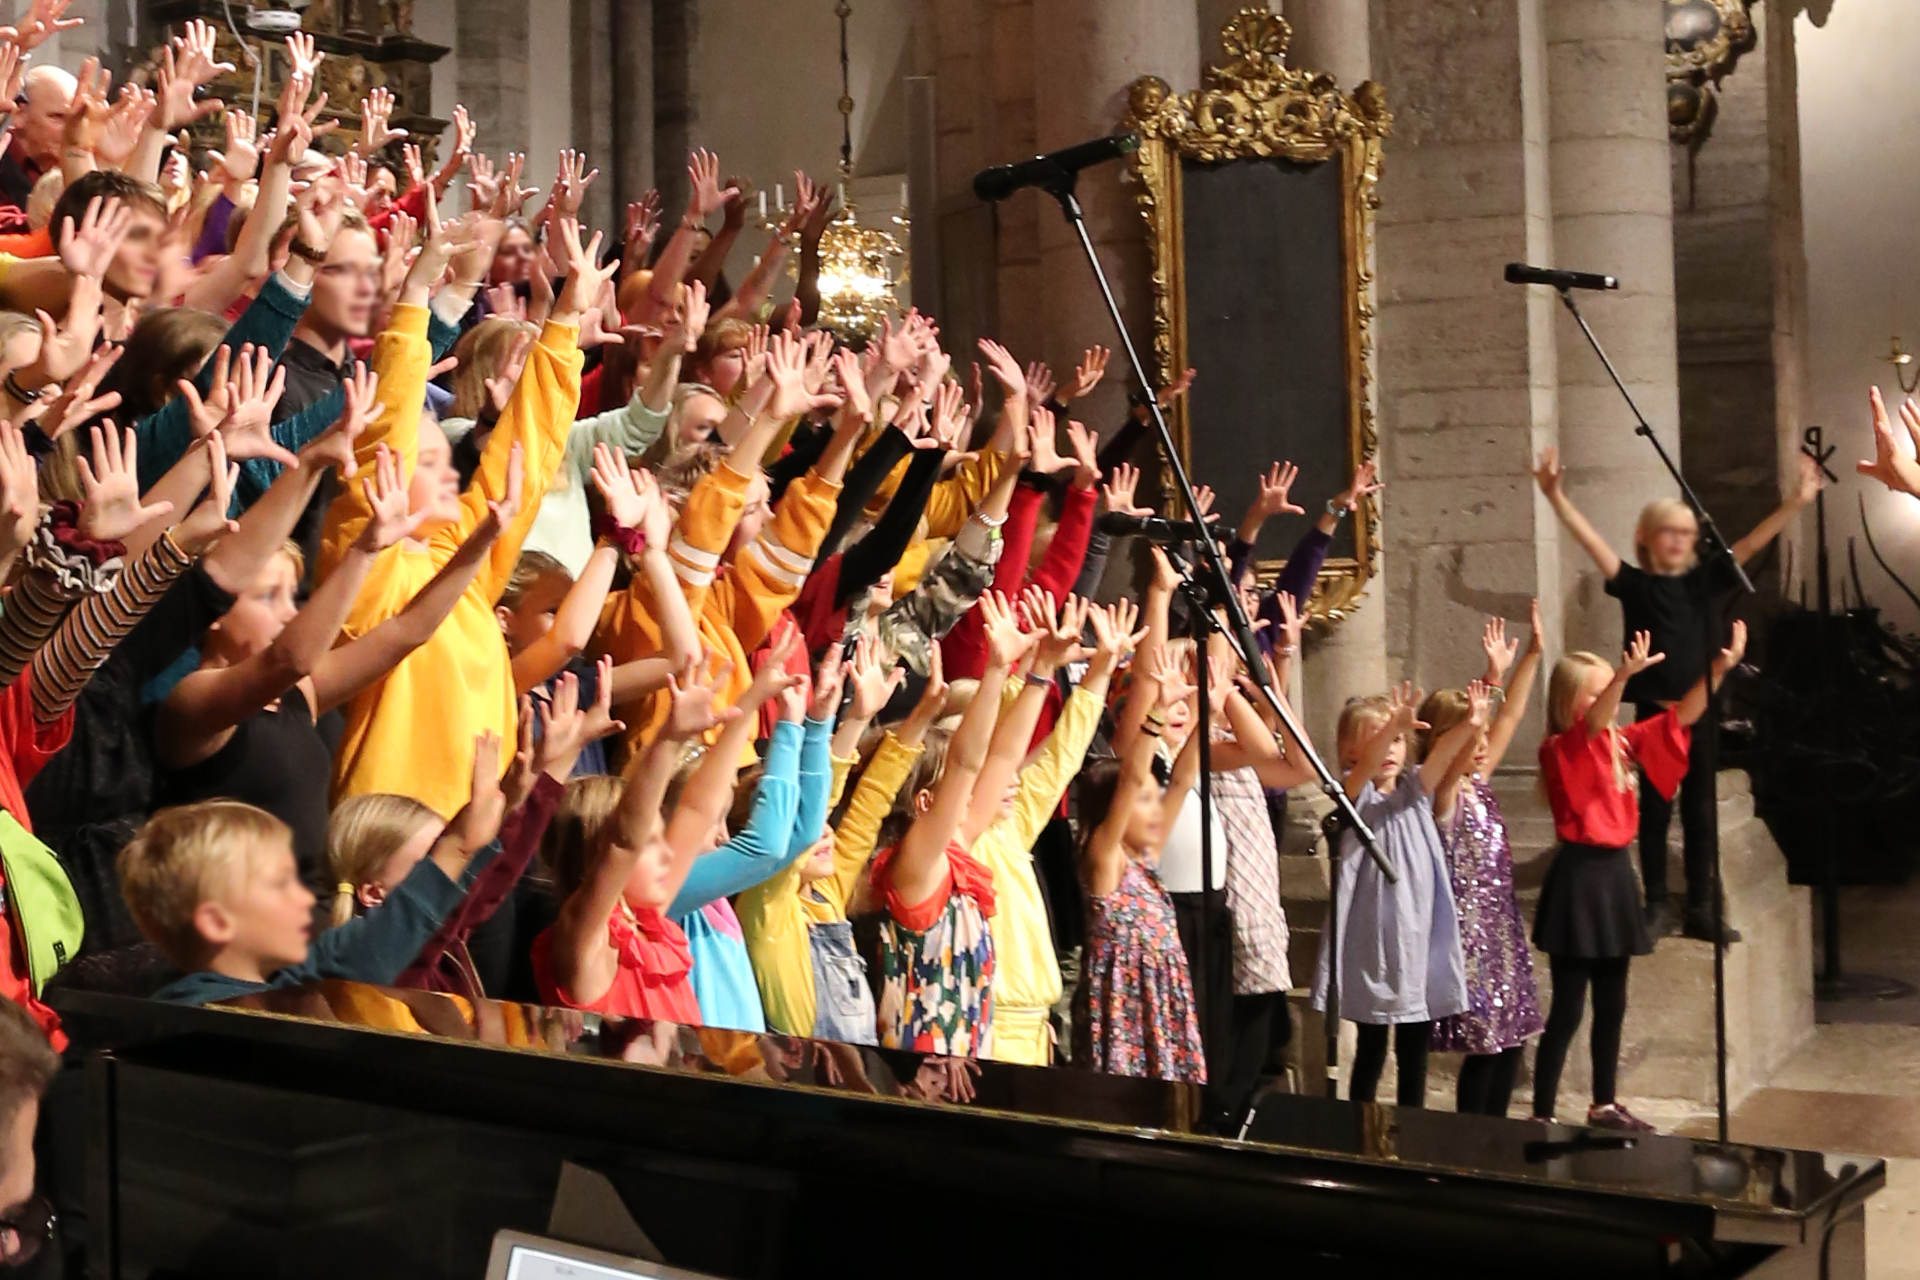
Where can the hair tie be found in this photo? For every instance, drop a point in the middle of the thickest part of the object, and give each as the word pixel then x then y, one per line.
pixel 346 887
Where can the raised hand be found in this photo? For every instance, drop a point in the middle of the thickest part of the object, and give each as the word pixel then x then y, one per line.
pixel 693 712
pixel 1046 451
pixel 77 403
pixel 873 682
pixel 1113 635
pixel 1004 368
pixel 119 133
pixel 501 513
pixel 43 21
pixel 1116 494
pixel 19 492
pixel 443 241
pixel 1549 474
pixel 1639 655
pixel 1893 464
pixel 1729 657
pixel 1293 623
pixel 1086 375
pixel 787 367
pixel 1500 650
pixel 1479 703
pixel 828 680
pixel 570 184
pixel 303 57
pixel 1169 673
pixel 1274 487
pixel 66 347
pixel 187 63
pixel 1536 632
pixel 773 678
pixel 334 446
pixel 376 109
pixel 705 196
pixel 254 392
pixel 1007 644
pixel 241 160
pixel 642 228
pixel 631 495
pixel 1058 628
pixel 1086 454
pixel 89 249
pixel 692 321
pixel 207 523
pixel 1175 389
pixel 386 493
pixel 111 507
pixel 1403 704
pixel 1040 383
pixel 852 385
pixel 585 277
pixel 1165 576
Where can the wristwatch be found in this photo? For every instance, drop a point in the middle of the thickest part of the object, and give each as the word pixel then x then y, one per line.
pixel 1337 511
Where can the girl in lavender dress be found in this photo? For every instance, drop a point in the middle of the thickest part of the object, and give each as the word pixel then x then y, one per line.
pixel 1503 1009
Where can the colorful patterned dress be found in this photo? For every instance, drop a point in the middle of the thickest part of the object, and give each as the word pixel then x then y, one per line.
pixel 1135 1015
pixel 1503 1009
pixel 936 961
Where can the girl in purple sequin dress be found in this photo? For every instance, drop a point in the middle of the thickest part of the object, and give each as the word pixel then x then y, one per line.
pixel 1503 1008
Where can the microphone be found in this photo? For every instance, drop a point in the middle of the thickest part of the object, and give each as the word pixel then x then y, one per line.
pixel 1003 180
pixel 1153 528
pixel 1521 273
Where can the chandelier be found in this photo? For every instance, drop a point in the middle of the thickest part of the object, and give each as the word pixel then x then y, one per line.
pixel 857 263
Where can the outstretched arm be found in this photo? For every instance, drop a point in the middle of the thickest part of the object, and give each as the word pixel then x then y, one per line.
pixel 1551 477
pixel 1690 708
pixel 1804 492
pixel 1519 690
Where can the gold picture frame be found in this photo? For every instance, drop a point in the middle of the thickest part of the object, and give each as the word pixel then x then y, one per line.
pixel 1252 106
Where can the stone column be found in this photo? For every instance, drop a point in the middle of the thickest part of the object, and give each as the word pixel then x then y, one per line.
pixel 492 36
pixel 1612 213
pixel 676 102
pixel 1329 36
pixel 1467 366
pixel 1093 50
pixel 630 32
pixel 963 112
pixel 595 107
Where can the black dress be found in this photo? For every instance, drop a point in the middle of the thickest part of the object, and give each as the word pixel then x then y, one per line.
pixel 277 761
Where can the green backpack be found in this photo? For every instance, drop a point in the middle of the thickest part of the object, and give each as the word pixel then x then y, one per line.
pixel 45 910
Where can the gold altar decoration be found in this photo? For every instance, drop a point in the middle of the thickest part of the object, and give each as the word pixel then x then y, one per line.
pixel 857 280
pixel 1254 106
pixel 1705 38
pixel 369 44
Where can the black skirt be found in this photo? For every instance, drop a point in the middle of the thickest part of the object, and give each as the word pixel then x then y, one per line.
pixel 1590 906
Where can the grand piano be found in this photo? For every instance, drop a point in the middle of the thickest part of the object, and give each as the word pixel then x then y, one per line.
pixel 342 1130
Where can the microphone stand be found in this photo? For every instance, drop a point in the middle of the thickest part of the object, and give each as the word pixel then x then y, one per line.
pixel 1239 632
pixel 1707 732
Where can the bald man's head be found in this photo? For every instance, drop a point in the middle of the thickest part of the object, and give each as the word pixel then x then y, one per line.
pixel 39 123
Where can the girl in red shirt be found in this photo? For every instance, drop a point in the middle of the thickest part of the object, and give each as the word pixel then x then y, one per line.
pixel 1589 921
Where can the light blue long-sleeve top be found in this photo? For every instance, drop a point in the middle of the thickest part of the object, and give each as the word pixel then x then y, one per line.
pixel 1400 957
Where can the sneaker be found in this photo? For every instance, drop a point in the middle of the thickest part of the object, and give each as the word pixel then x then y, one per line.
pixel 1699 926
pixel 1615 1116
pixel 1661 921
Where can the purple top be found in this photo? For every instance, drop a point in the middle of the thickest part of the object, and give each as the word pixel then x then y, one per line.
pixel 213 232
pixel 1296 578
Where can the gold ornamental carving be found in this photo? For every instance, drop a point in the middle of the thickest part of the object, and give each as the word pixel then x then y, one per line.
pixel 1705 38
pixel 1252 106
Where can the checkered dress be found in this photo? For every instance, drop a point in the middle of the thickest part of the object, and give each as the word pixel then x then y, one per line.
pixel 1253 884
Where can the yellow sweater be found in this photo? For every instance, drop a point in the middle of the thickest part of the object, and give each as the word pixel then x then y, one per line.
pixel 1026 977
pixel 773 918
pixel 413 732
pixel 734 605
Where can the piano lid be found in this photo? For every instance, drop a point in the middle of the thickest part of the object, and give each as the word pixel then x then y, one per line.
pixel 494 1052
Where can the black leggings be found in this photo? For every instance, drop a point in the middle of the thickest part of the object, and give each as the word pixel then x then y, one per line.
pixel 1571 978
pixel 1698 795
pixel 1486 1082
pixel 1409 1053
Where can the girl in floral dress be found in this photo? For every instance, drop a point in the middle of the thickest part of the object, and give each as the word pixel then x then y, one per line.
pixel 1134 1012
pixel 1503 1008
pixel 936 949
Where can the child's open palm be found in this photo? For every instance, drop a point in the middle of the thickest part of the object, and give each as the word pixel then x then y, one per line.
pixel 1640 655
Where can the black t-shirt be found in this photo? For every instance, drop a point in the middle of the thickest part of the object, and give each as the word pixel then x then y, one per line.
pixel 1669 607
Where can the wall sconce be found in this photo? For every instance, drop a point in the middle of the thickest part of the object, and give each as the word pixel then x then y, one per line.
pixel 1901 359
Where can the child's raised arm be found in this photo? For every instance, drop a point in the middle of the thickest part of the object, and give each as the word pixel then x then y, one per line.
pixel 1105 852
pixel 1638 657
pixel 1690 708
pixel 922 859
pixel 1519 690
pixel 1449 747
pixel 1551 475
pixel 1373 752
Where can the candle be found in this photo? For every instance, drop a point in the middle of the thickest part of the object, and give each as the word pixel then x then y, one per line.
pixel 779 198
pixel 763 205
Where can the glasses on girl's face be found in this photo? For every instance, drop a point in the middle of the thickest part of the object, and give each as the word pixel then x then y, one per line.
pixel 24 1231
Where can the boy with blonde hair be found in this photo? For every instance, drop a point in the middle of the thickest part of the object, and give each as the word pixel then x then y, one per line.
pixel 215 887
